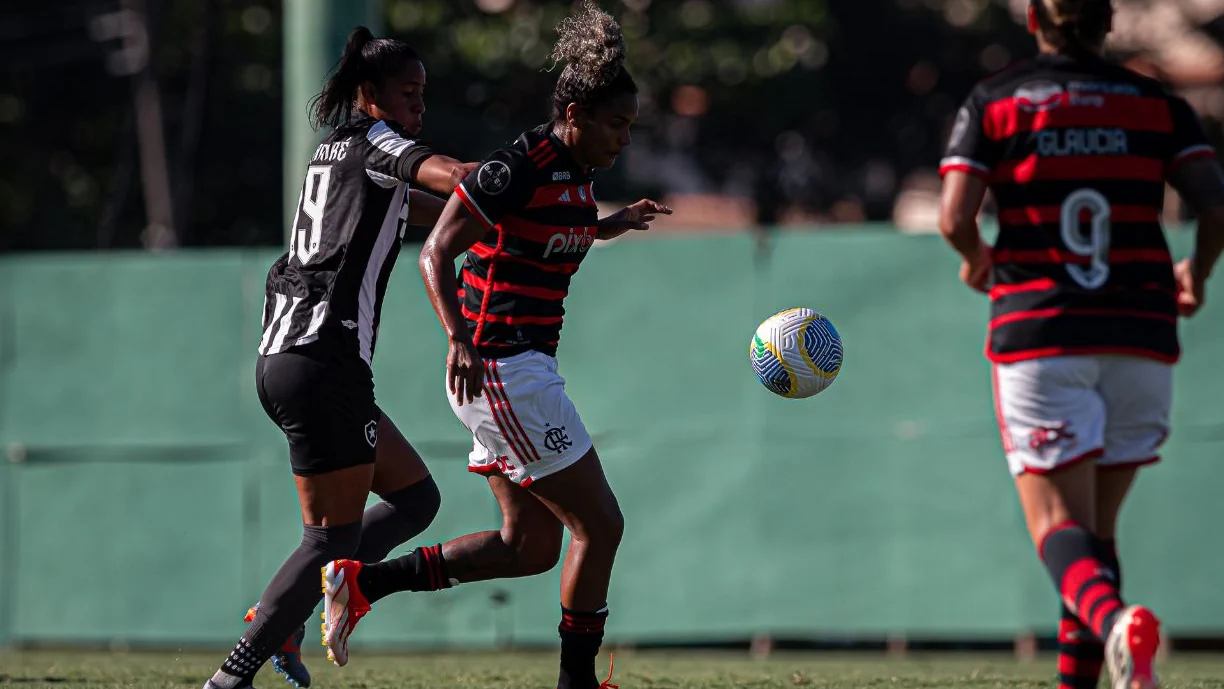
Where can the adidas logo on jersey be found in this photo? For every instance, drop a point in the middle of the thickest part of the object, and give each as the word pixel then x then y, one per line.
pixel 570 243
pixel 567 196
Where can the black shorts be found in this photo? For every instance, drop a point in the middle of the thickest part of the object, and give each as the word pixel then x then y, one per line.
pixel 325 408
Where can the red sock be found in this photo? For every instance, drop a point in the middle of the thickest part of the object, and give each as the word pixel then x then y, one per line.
pixel 1080 653
pixel 1087 583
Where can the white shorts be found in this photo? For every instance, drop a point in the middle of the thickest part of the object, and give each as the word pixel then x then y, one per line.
pixel 523 425
pixel 1056 411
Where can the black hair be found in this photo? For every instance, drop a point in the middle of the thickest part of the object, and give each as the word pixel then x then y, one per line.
pixel 1074 27
pixel 365 58
pixel 593 48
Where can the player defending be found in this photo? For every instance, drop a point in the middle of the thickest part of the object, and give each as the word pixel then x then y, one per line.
pixel 525 219
pixel 322 304
pixel 1085 300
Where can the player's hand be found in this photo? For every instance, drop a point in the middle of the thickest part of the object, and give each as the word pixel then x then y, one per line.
pixel 465 169
pixel 975 271
pixel 635 216
pixel 1191 291
pixel 464 371
pixel 459 172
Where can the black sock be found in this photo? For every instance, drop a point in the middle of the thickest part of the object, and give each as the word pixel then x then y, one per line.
pixel 1086 582
pixel 287 602
pixel 424 569
pixel 397 518
pixel 242 664
pixel 581 635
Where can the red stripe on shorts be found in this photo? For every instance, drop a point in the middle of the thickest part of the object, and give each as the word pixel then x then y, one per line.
pixel 501 388
pixel 503 423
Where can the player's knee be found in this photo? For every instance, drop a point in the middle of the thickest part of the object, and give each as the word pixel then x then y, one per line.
pixel 535 548
pixel 540 556
pixel 332 542
pixel 418 504
pixel 603 527
pixel 615 525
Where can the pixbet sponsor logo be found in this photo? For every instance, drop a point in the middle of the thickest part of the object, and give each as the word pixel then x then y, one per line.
pixel 576 241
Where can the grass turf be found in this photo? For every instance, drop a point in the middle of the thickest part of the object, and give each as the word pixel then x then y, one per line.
pixel 654 670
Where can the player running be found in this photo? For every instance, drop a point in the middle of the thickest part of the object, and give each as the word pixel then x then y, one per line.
pixel 1085 300
pixel 525 219
pixel 320 325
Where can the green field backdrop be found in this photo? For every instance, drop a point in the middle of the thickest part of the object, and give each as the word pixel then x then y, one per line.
pixel 145 498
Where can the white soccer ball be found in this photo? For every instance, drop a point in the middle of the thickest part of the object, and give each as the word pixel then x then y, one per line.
pixel 796 353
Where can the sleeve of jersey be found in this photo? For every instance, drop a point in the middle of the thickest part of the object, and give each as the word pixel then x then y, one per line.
pixel 1189 141
pixel 969 149
pixel 501 185
pixel 391 156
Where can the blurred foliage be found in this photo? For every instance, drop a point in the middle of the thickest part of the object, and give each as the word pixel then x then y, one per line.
pixel 805 103
pixel 72 173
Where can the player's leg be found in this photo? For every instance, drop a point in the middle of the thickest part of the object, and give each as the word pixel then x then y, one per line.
pixel 1138 393
pixel 1081 655
pixel 1133 641
pixel 582 500
pixel 331 511
pixel 528 543
pixel 409 496
pixel 410 501
pixel 1053 424
pixel 328 422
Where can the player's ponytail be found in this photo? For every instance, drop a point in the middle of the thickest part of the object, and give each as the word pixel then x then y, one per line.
pixel 1074 27
pixel 365 59
pixel 592 47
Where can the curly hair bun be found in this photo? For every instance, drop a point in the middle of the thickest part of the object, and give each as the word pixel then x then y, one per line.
pixel 591 44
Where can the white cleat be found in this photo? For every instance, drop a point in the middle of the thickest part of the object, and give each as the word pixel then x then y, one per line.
pixel 1131 649
pixel 343 607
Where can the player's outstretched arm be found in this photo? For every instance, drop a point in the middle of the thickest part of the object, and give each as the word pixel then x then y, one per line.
pixel 962 198
pixel 456 231
pixel 636 216
pixel 424 208
pixel 442 173
pixel 1201 183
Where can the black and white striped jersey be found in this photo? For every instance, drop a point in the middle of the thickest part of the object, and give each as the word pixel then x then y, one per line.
pixel 350 219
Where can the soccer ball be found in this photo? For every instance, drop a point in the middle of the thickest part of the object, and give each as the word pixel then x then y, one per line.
pixel 796 353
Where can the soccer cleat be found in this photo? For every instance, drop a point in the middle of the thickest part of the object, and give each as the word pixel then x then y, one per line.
pixel 343 607
pixel 1131 649
pixel 607 683
pixel 287 661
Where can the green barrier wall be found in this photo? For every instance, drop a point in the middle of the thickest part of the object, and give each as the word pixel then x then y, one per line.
pixel 147 499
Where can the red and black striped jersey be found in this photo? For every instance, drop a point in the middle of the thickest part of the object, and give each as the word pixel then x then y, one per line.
pixel 537 204
pixel 1076 153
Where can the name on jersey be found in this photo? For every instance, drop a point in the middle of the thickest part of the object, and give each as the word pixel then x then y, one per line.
pixel 1082 142
pixel 331 152
pixel 1120 88
pixel 571 242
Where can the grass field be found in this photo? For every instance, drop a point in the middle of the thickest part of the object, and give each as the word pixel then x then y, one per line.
pixel 62 670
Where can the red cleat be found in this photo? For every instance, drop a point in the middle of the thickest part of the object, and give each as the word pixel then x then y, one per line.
pixel 1131 649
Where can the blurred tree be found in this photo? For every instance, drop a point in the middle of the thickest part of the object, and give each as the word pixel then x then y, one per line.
pixel 824 106
pixel 68 129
